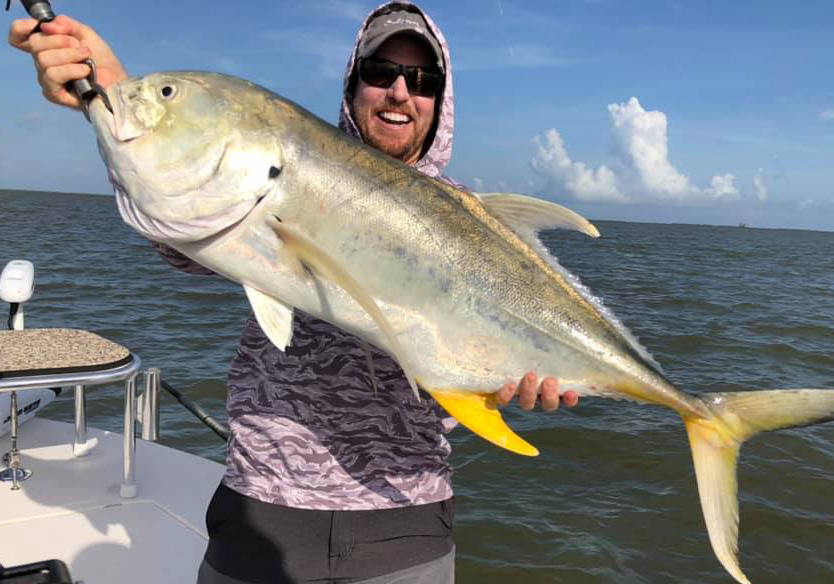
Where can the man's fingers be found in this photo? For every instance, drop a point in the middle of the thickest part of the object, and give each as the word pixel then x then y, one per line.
pixel 63 74
pixel 54 80
pixel 59 57
pixel 549 394
pixel 64 25
pixel 20 31
pixel 505 394
pixel 570 398
pixel 528 391
pixel 41 42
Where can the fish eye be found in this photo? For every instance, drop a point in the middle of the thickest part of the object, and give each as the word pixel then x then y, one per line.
pixel 168 91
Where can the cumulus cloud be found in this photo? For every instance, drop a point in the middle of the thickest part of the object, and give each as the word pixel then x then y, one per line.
pixel 827 115
pixel 723 187
pixel 759 185
pixel 647 175
pixel 553 162
pixel 641 139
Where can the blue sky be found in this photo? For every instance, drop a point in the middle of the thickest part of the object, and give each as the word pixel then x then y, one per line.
pixel 698 112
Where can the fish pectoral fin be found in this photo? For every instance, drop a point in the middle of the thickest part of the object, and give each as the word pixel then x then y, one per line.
pixel 528 215
pixel 274 316
pixel 478 412
pixel 317 261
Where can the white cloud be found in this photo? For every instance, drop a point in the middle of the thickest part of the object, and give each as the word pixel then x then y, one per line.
pixel 827 115
pixel 759 185
pixel 647 175
pixel 642 142
pixel 478 185
pixel 553 162
pixel 722 187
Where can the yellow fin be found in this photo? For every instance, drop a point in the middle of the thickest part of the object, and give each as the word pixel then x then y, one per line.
pixel 715 454
pixel 715 443
pixel 477 411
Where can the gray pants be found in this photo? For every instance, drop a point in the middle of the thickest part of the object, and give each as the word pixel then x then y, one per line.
pixel 439 571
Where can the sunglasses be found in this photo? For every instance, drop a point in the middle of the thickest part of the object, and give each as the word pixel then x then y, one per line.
pixel 422 81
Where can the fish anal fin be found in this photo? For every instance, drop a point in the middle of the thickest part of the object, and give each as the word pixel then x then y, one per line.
pixel 478 412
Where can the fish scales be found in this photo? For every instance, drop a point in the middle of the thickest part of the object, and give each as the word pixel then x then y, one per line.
pixel 305 218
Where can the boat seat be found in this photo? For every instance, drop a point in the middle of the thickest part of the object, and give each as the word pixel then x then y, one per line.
pixel 60 357
pixel 57 351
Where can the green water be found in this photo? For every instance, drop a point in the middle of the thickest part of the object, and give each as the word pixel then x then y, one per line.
pixel 612 498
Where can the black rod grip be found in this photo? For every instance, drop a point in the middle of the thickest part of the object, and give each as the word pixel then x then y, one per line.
pixel 40 10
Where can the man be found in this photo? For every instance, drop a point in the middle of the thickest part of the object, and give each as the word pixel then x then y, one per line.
pixel 326 479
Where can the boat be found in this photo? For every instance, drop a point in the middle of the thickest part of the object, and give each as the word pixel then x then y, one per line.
pixel 108 506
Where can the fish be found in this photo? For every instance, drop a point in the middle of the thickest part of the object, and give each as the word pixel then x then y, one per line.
pixel 456 286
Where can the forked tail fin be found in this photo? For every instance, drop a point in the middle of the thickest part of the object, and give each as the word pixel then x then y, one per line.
pixel 715 443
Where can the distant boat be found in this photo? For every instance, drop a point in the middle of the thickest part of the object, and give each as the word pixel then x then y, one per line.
pixel 743 225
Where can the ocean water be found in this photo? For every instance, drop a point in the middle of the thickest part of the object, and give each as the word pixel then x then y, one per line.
pixel 612 497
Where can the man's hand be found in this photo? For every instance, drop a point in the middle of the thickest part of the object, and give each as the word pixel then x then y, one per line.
pixel 529 390
pixel 59 52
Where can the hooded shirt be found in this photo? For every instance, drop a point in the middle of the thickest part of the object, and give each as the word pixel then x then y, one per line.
pixel 308 429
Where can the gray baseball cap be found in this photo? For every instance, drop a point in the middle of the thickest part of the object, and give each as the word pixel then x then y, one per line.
pixel 386 25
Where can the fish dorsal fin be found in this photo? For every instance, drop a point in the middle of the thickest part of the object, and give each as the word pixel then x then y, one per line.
pixel 319 262
pixel 274 316
pixel 528 215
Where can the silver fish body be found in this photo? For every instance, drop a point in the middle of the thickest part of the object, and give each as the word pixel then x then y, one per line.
pixel 261 191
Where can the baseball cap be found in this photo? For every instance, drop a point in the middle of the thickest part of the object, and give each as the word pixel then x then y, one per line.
pixel 387 24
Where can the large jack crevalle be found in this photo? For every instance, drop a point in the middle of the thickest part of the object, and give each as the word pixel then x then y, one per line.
pixel 455 286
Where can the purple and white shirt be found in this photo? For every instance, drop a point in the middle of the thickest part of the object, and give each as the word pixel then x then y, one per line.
pixel 307 428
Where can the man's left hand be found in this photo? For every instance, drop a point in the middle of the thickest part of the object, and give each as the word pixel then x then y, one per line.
pixel 529 390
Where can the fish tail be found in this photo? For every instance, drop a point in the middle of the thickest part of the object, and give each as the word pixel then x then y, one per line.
pixel 715 442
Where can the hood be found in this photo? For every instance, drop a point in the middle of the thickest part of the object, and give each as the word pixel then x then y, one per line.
pixel 438 154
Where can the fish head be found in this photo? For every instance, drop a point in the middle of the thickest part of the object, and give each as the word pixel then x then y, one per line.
pixel 186 152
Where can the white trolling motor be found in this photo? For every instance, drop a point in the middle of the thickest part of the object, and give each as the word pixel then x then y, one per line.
pixel 17 284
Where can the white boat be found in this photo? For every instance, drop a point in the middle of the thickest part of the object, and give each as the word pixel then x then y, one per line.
pixel 113 508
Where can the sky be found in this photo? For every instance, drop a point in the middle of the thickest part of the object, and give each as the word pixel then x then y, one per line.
pixel 709 112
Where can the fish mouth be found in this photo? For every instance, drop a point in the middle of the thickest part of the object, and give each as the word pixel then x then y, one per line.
pixel 114 126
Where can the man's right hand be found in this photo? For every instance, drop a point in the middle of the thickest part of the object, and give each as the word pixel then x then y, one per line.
pixel 59 52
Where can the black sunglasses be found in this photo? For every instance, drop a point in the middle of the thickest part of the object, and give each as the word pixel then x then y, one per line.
pixel 422 81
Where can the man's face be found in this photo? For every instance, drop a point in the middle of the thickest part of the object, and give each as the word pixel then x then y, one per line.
pixel 391 119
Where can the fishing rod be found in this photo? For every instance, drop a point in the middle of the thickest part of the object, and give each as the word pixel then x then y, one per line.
pixel 85 89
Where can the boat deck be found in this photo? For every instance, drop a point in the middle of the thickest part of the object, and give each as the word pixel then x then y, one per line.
pixel 71 510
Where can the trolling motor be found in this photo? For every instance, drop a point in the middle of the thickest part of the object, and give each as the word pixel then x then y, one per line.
pixel 86 89
pixel 17 282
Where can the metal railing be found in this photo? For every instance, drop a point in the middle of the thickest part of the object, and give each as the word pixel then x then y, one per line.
pixel 143 409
